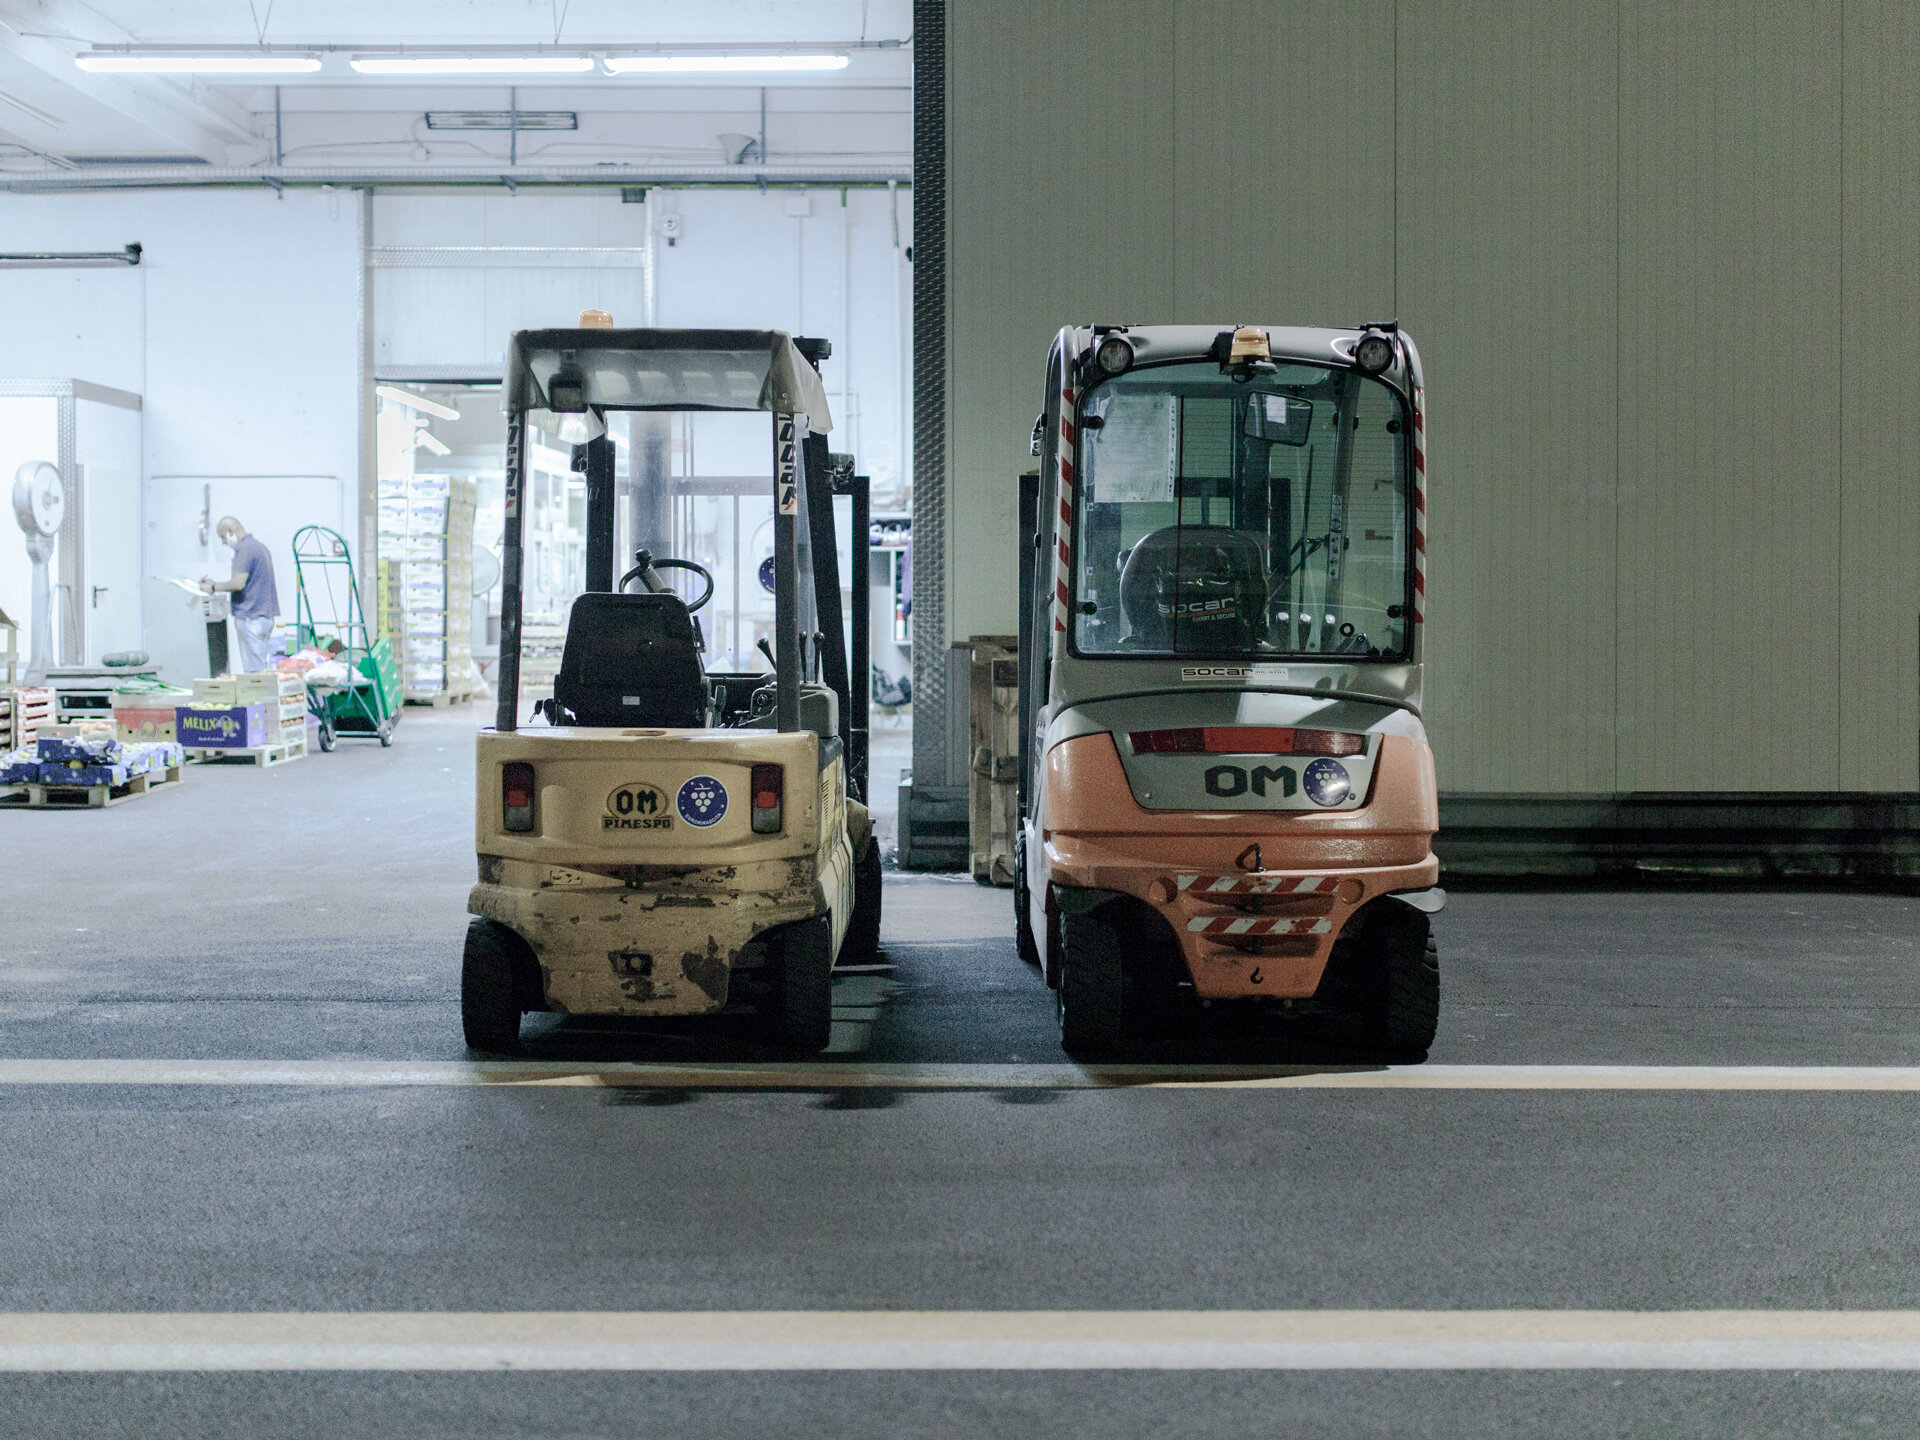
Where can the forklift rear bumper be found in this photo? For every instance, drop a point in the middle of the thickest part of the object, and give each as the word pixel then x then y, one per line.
pixel 1255 899
pixel 644 939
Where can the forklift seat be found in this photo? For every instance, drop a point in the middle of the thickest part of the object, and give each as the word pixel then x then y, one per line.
pixel 1195 588
pixel 630 660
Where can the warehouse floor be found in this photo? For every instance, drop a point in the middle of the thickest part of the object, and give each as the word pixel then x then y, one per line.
pixel 313 913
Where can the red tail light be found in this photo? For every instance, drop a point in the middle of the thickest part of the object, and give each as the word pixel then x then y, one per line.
pixel 1246 740
pixel 516 797
pixel 769 796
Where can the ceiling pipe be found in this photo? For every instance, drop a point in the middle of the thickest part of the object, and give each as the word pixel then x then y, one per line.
pixel 169 177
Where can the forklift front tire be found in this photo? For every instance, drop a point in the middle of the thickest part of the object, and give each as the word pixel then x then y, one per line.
pixel 1092 998
pixel 492 985
pixel 800 1013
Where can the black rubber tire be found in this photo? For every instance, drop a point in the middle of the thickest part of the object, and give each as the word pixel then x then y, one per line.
pixel 1093 991
pixel 861 944
pixel 1022 905
pixel 1399 990
pixel 800 1012
pixel 326 736
pixel 492 986
pixel 386 735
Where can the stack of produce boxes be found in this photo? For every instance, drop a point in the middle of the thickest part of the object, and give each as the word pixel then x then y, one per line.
pixel 23 710
pixel 426 531
pixel 283 693
pixel 217 720
pixel 143 710
pixel 84 754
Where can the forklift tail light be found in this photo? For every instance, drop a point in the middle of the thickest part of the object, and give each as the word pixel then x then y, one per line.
pixel 1246 740
pixel 769 795
pixel 516 797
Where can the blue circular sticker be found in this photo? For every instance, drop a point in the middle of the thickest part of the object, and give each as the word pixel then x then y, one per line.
pixel 766 574
pixel 703 801
pixel 1326 782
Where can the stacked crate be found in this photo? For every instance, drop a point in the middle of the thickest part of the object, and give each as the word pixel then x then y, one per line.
pixel 23 710
pixel 426 534
pixel 284 694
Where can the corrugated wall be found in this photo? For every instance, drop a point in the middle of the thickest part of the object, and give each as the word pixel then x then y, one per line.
pixel 1661 258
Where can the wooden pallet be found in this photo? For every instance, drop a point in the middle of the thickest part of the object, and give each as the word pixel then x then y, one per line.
pixel 441 699
pixel 86 797
pixel 260 755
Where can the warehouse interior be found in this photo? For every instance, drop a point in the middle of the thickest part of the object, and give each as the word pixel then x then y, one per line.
pixel 1536 1057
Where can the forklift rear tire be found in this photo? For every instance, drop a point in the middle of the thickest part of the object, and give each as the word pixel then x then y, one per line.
pixel 1092 997
pixel 861 945
pixel 1023 905
pixel 801 1010
pixel 492 985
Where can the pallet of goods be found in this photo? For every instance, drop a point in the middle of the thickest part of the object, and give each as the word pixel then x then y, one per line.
pixel 426 536
pixel 257 718
pixel 84 766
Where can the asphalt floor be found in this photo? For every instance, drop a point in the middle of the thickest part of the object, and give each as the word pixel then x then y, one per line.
pixel 314 911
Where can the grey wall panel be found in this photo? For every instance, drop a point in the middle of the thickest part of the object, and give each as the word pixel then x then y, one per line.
pixel 1060 210
pixel 1506 266
pixel 1880 380
pixel 1283 153
pixel 1728 580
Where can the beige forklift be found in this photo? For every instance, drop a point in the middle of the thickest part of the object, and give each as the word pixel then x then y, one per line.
pixel 669 837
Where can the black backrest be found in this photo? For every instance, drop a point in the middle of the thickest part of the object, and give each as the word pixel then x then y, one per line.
pixel 1196 588
pixel 630 660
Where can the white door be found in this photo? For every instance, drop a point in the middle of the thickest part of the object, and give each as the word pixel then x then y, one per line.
pixel 184 510
pixel 111 604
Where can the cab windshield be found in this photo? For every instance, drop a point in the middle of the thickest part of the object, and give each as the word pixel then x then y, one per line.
pixel 1242 520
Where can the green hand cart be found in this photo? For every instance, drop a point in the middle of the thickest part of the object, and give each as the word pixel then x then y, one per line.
pixel 366 705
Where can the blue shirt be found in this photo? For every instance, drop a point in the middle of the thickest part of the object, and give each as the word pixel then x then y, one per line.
pixel 257 599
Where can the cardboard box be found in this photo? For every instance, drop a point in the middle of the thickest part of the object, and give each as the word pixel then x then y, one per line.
pixel 258 685
pixel 225 727
pixel 215 692
pixel 145 723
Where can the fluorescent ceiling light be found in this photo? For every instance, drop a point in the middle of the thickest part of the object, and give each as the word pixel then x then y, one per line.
pixel 472 64
pixel 416 402
pixel 120 63
pixel 715 64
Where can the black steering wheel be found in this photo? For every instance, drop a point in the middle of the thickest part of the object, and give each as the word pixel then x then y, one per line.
pixel 671 564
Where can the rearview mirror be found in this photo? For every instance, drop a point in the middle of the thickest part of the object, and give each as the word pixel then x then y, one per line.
pixel 1280 419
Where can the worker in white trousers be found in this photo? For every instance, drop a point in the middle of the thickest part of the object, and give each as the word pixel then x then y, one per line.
pixel 256 603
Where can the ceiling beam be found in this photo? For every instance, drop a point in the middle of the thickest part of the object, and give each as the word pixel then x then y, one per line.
pixel 194 122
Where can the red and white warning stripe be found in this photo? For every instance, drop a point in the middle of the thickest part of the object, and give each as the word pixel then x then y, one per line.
pixel 1257 925
pixel 1253 884
pixel 1062 595
pixel 1419 505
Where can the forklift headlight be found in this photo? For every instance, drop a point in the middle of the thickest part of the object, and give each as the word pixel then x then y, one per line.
pixel 1374 353
pixel 1115 355
pixel 566 393
pixel 516 797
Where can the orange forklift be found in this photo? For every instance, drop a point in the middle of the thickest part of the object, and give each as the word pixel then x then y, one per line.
pixel 1226 791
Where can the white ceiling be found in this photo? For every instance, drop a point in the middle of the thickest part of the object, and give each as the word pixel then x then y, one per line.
pixel 55 117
